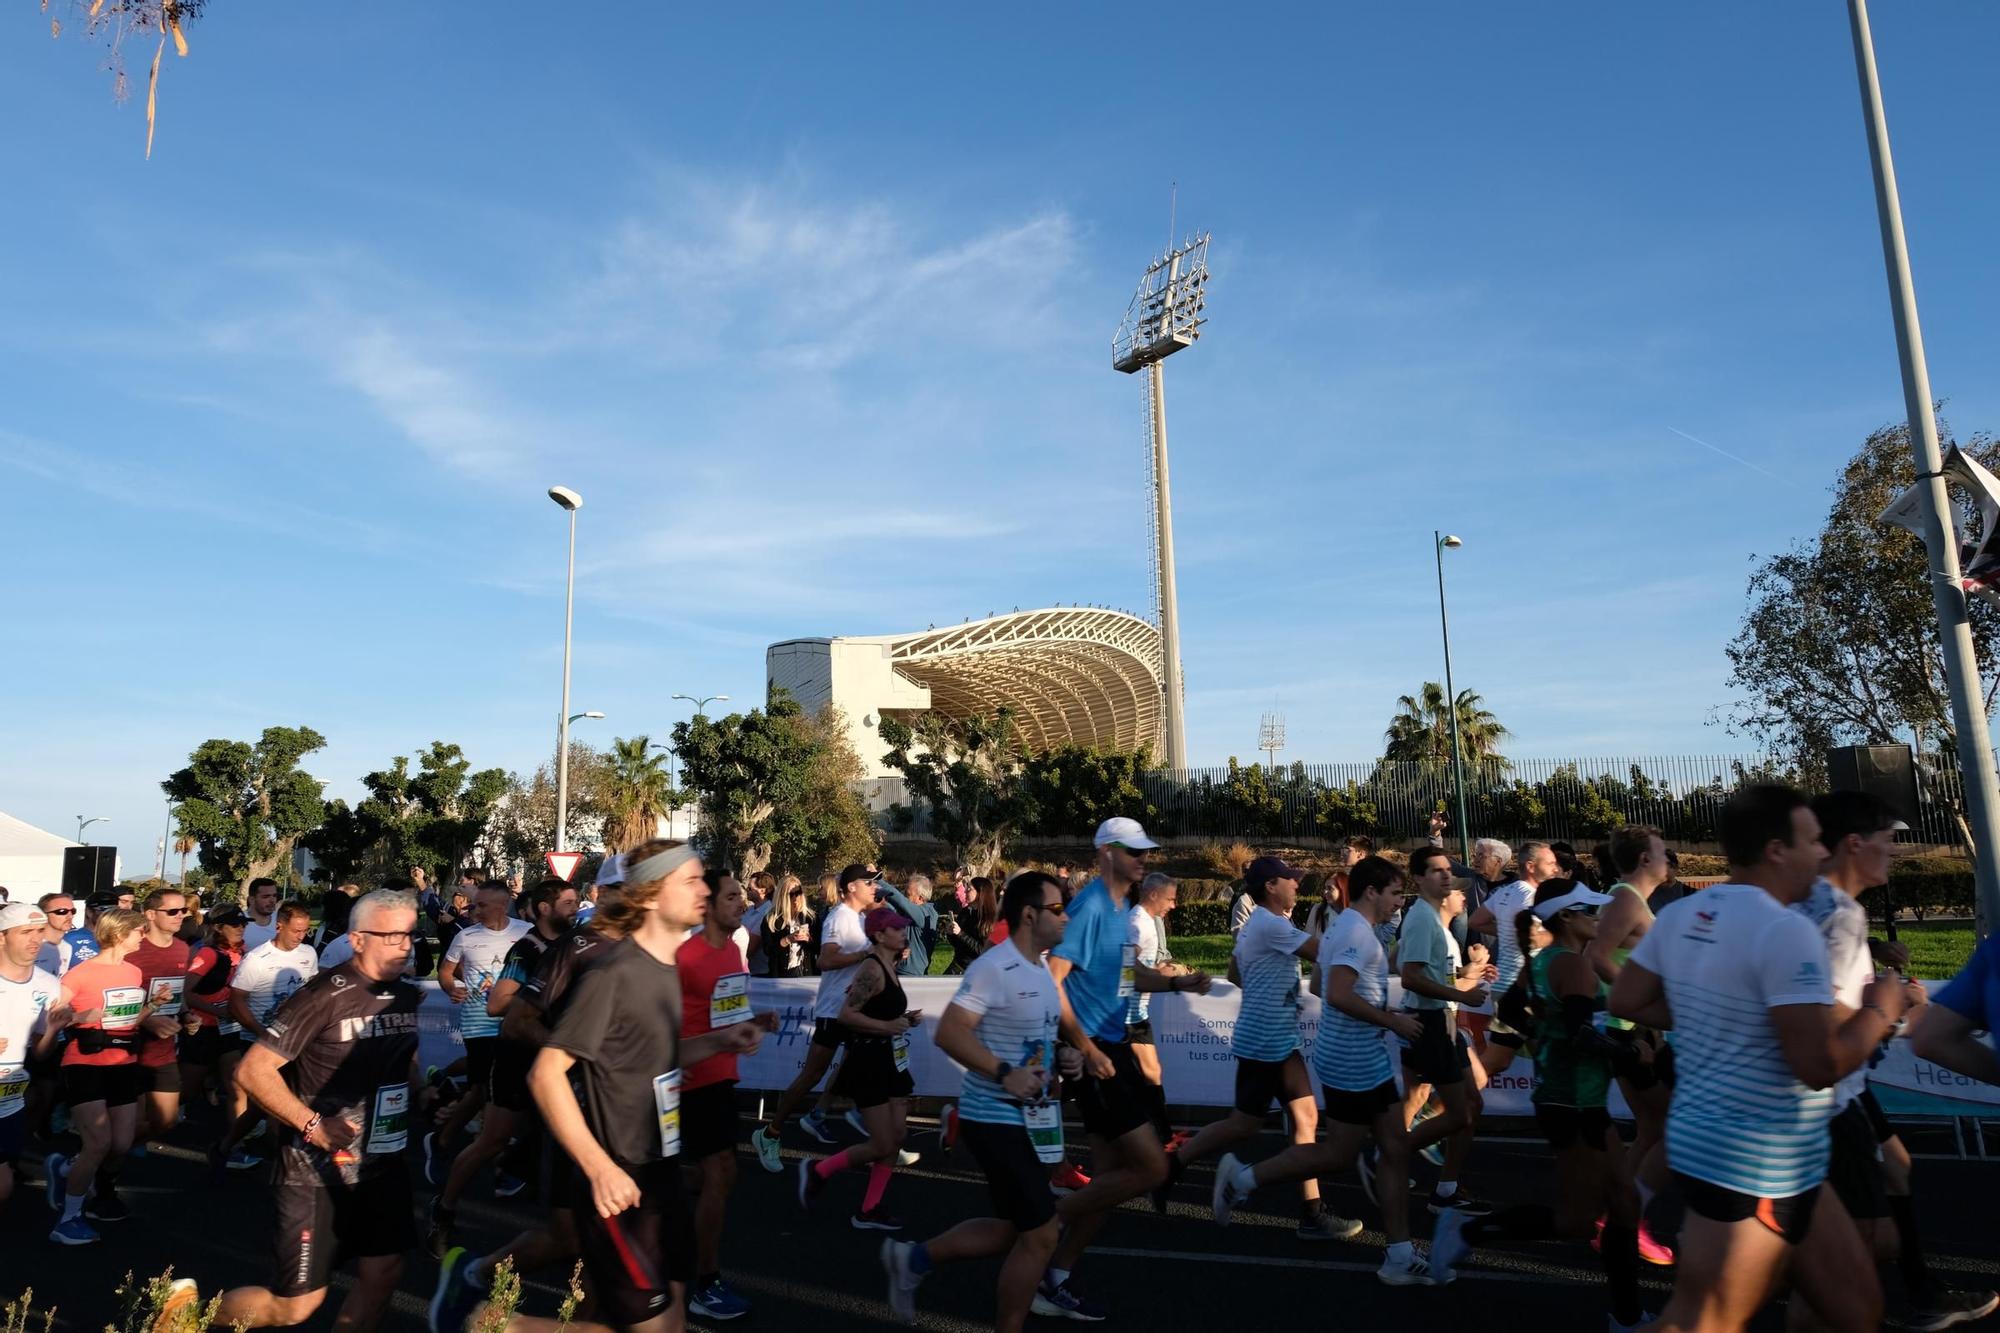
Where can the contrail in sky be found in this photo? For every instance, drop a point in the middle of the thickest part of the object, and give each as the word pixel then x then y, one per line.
pixel 1726 454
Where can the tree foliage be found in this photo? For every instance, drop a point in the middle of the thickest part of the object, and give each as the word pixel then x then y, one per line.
pixel 522 826
pixel 967 776
pixel 433 817
pixel 827 824
pixel 1420 731
pixel 638 792
pixel 246 806
pixel 743 770
pixel 1072 789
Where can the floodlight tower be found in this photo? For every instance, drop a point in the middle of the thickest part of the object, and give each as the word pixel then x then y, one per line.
pixel 1165 316
pixel 1271 738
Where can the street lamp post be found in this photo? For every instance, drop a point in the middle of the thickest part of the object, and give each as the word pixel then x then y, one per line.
pixel 571 502
pixel 700 704
pixel 1440 541
pixel 82 824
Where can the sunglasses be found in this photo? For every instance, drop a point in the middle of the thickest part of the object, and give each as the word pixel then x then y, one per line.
pixel 171 911
pixel 1588 909
pixel 1053 909
pixel 61 911
pixel 1129 851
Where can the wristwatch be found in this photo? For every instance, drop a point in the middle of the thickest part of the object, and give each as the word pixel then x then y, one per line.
pixel 1000 1074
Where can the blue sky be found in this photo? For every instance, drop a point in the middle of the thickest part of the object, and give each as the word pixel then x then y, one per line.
pixel 814 308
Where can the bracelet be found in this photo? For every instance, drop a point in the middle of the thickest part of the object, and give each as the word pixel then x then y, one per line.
pixel 306 1130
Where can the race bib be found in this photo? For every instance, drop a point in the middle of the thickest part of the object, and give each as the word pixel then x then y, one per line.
pixel 1128 975
pixel 667 1104
pixel 166 996
pixel 121 1008
pixel 389 1121
pixel 899 1045
pixel 13 1088
pixel 730 1002
pixel 229 1027
pixel 1045 1129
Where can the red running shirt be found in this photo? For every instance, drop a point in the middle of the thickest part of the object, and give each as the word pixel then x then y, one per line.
pixel 164 973
pixel 714 984
pixel 119 991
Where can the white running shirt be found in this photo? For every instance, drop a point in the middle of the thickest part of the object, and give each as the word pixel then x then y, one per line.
pixel 1843 924
pixel 1018 1009
pixel 843 931
pixel 1350 1054
pixel 1507 903
pixel 22 1006
pixel 481 954
pixel 1267 1020
pixel 268 975
pixel 1740 1118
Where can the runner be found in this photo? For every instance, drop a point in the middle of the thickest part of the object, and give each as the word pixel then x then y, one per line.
pixel 100 1071
pixel 1265 1042
pixel 1573 1064
pixel 80 943
pixel 625 1132
pixel 509 1108
pixel 1095 972
pixel 162 960
pixel 1351 1061
pixel 1156 896
pixel 31 1017
pixel 1007 1009
pixel 1742 983
pixel 877 1021
pixel 209 1053
pixel 843 947
pixel 1434 986
pixel 261 903
pixel 1870 1167
pixel 53 955
pixel 270 974
pixel 472 964
pixel 715 994
pixel 1946 1032
pixel 337 1066
pixel 1495 918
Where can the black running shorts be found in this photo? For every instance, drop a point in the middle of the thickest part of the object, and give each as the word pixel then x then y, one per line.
pixel 160 1078
pixel 635 1257
pixel 1360 1108
pixel 1016 1178
pixel 1563 1126
pixel 1114 1107
pixel 1259 1083
pixel 479 1056
pixel 1435 1057
pixel 507 1081
pixel 321 1227
pixel 1854 1166
pixel 13 1134
pixel 1878 1119
pixel 1140 1033
pixel 829 1033
pixel 1789 1219
pixel 114 1085
pixel 708 1120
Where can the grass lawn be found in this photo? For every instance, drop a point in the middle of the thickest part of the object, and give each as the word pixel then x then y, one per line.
pixel 1937 949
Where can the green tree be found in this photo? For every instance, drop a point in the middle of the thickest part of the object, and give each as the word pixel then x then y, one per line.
pixel 967 776
pixel 1248 799
pixel 1420 732
pixel 827 823
pixel 1839 639
pixel 1343 811
pixel 1073 788
pixel 638 793
pixel 433 816
pixel 246 806
pixel 742 770
pixel 522 826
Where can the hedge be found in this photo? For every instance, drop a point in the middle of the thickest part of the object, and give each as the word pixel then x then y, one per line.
pixel 1926 884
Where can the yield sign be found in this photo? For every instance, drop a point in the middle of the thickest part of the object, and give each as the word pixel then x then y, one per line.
pixel 563 864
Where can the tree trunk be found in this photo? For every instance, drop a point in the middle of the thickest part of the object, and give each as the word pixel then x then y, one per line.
pixel 281 852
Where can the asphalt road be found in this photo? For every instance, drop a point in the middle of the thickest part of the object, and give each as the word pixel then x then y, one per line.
pixel 1172 1272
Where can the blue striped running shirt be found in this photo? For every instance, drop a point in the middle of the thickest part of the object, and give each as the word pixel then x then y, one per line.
pixel 1349 1054
pixel 1740 1117
pixel 1143 934
pixel 1019 1011
pixel 1267 1021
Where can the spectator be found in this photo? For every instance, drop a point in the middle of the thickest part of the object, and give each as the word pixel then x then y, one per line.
pixel 761 889
pixel 788 931
pixel 924 936
pixel 1672 890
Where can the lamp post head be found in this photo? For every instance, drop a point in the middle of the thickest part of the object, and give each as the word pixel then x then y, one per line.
pixel 599 716
pixel 1449 540
pixel 566 497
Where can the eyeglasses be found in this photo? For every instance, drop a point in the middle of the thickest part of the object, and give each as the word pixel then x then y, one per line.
pixel 61 911
pixel 390 936
pixel 171 911
pixel 1053 909
pixel 1129 851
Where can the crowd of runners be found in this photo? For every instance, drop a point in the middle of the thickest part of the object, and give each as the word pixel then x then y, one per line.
pixel 602 1031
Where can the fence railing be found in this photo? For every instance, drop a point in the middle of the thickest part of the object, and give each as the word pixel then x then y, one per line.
pixel 1576 800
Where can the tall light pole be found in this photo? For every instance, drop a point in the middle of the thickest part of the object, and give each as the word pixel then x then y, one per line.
pixel 82 824
pixel 700 704
pixel 166 838
pixel 1968 709
pixel 572 502
pixel 1441 540
pixel 1165 316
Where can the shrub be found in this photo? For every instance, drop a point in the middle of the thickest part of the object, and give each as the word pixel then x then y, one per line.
pixel 1214 858
pixel 1925 884
pixel 1240 856
pixel 1208 917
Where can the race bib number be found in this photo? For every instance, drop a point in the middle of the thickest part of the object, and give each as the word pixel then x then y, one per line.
pixel 13 1088
pixel 1128 975
pixel 389 1121
pixel 229 1027
pixel 166 995
pixel 121 1008
pixel 1045 1130
pixel 730 1003
pixel 667 1105
pixel 899 1045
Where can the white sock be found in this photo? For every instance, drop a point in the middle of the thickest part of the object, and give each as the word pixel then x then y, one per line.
pixel 72 1206
pixel 1245 1180
pixel 1447 1188
pixel 1058 1276
pixel 1401 1252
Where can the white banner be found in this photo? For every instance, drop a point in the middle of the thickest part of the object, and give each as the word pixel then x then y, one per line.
pixel 1192 1032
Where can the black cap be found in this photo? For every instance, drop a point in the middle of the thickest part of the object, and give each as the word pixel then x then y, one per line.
pixel 1267 868
pixel 103 902
pixel 852 873
pixel 226 916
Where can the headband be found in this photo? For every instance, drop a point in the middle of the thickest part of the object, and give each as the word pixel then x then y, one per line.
pixel 659 865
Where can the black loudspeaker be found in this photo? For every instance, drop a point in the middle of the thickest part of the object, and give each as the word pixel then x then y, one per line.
pixel 1887 772
pixel 89 870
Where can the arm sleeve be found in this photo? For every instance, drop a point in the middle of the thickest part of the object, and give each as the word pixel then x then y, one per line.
pixel 980 992
pixel 1288 938
pixel 1966 993
pixel 1077 941
pixel 293 1024
pixel 456 949
pixel 1790 966
pixel 586 1020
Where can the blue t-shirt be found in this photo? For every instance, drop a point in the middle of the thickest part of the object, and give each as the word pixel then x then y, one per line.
pixel 81 946
pixel 1095 946
pixel 1974 994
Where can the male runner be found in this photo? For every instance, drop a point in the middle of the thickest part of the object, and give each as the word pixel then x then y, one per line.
pixel 31 1016
pixel 472 965
pixel 1433 988
pixel 1742 983
pixel 620 1039
pixel 843 946
pixel 1096 970
pixel 1007 1010
pixel 1869 1167
pixel 1495 919
pixel 1946 1033
pixel 509 1107
pixel 337 1066
pixel 53 955
pixel 1155 898
pixel 79 943
pixel 1351 1061
pixel 162 960
pixel 261 905
pixel 269 975
pixel 1265 1041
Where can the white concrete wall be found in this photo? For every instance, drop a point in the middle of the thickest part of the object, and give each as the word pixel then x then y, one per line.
pixel 854 674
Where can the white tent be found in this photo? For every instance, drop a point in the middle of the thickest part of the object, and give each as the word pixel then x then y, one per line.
pixel 31 860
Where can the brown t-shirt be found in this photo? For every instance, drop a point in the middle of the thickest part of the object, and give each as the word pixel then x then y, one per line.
pixel 622 1022
pixel 350 1045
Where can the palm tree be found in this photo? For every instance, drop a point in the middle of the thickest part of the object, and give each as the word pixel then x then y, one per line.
pixel 184 844
pixel 638 793
pixel 1421 730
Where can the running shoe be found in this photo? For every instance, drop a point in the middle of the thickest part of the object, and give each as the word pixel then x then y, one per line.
pixel 904 1157
pixel 1433 1153
pixel 1415 1273
pixel 240 1160
pixel 1656 1251
pixel 770 1153
pixel 506 1186
pixel 437 1239
pixel 815 1125
pixel 1364 1167
pixel 877 1218
pixel 903 1280
pixel 853 1119
pixel 1067 1178
pixel 1945 1308
pixel 1461 1202
pixel 75 1231
pixel 181 1296
pixel 1065 1302
pixel 107 1208
pixel 809 1183
pixel 1448 1246
pixel 1223 1196
pixel 1176 1139
pixel 456 1297
pixel 716 1299
pixel 56 1168
pixel 1328 1226
pixel 948 1126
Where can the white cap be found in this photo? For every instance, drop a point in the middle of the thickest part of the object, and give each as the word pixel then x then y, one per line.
pixel 612 871
pixel 1580 896
pixel 1125 832
pixel 15 915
